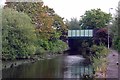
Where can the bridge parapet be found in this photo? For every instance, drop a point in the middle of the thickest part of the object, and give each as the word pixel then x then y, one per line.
pixel 80 33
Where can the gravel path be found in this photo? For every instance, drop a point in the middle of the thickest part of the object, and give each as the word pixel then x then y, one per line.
pixel 112 68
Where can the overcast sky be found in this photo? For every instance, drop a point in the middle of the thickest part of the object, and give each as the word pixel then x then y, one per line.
pixel 75 8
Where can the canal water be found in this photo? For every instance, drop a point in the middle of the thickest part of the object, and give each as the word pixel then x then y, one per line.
pixel 69 66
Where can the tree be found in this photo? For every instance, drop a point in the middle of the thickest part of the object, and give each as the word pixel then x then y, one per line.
pixel 101 37
pixel 18 34
pixel 94 18
pixel 115 29
pixel 119 18
pixel 73 24
pixel 42 16
pixel 37 12
pixel 49 26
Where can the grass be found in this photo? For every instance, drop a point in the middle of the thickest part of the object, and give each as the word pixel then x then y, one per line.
pixel 99 59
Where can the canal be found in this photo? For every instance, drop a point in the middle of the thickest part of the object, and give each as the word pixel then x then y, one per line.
pixel 67 66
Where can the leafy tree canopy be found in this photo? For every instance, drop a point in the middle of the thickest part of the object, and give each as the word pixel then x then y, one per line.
pixel 94 18
pixel 73 24
pixel 115 29
pixel 45 19
pixel 18 34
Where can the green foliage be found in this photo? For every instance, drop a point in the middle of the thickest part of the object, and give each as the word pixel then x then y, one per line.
pixel 117 44
pixel 59 24
pixel 27 7
pixel 56 46
pixel 52 45
pixel 43 17
pixel 100 64
pixel 94 18
pixel 118 18
pixel 99 50
pixel 18 34
pixel 74 24
pixel 100 56
pixel 115 29
pixel 40 50
pixel 49 27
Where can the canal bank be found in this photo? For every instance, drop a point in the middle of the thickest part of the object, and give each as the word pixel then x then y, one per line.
pixel 33 59
pixel 111 68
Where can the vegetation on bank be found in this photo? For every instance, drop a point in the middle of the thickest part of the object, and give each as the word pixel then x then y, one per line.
pixel 18 38
pixel 115 29
pixel 99 59
pixel 28 30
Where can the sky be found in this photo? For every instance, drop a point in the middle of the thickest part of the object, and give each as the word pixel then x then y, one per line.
pixel 75 8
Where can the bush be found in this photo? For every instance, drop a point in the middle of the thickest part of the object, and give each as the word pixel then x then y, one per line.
pixel 99 50
pixel 18 34
pixel 99 59
pixel 117 44
pixel 52 46
pixel 101 37
pixel 57 46
pixel 40 50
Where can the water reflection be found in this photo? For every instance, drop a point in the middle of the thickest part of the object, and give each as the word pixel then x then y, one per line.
pixel 59 67
pixel 76 67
